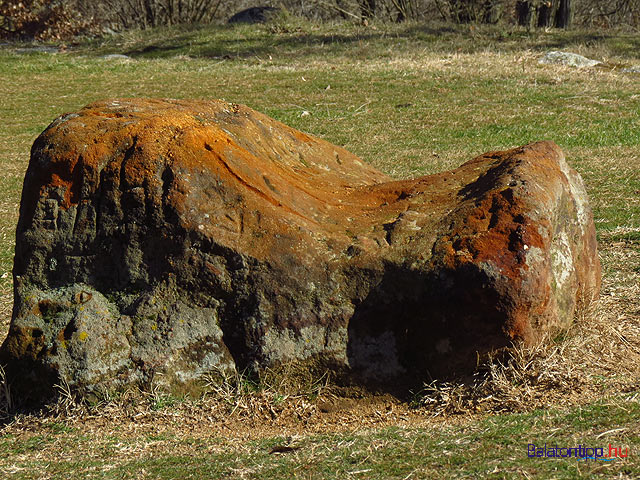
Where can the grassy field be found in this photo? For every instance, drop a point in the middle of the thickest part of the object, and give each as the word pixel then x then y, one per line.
pixel 410 100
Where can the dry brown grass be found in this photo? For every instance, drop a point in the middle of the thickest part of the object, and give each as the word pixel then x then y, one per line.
pixel 6 401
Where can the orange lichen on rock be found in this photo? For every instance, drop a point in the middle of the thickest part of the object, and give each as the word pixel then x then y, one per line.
pixel 217 237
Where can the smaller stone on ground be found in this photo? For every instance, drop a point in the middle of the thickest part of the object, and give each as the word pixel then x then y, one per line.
pixel 568 59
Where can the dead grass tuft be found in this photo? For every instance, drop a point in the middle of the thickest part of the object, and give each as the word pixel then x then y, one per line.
pixel 6 402
pixel 522 380
pixel 287 390
pixel 67 403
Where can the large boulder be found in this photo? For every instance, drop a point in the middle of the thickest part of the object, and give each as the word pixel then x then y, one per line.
pixel 160 240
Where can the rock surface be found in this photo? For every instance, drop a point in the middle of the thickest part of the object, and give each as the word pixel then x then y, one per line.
pixel 161 239
pixel 116 56
pixel 569 59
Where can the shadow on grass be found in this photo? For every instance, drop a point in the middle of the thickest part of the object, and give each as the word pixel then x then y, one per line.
pixel 260 43
pixel 508 38
pixel 240 42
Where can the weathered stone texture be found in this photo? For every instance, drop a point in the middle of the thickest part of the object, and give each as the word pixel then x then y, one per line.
pixel 568 59
pixel 161 239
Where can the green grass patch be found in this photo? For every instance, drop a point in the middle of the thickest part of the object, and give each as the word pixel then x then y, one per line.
pixel 495 447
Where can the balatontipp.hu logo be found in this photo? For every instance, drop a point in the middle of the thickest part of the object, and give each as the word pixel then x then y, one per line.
pixel 580 452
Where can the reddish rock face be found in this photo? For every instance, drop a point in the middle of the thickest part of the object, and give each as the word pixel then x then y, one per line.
pixel 180 237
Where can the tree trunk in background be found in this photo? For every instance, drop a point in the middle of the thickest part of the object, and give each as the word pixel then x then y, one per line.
pixel 545 9
pixel 402 6
pixel 367 8
pixel 341 10
pixel 523 13
pixel 563 14
pixel 471 11
pixel 492 11
pixel 460 11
